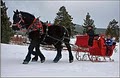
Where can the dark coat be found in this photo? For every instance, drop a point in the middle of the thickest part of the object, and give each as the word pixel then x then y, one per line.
pixel 90 33
pixel 91 37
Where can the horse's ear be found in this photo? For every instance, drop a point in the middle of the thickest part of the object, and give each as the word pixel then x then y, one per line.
pixel 14 11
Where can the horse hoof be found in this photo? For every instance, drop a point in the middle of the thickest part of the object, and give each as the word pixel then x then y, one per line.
pixel 25 62
pixel 42 61
pixel 57 59
pixel 70 61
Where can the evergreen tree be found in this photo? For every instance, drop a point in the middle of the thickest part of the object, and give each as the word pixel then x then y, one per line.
pixel 6 31
pixel 88 22
pixel 64 19
pixel 113 29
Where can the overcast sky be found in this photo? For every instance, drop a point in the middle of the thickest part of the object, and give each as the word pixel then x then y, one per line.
pixel 101 11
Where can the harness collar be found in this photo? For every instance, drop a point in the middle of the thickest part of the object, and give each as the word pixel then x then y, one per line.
pixel 36 25
pixel 32 24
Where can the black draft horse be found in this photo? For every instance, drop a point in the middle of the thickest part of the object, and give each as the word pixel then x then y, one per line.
pixel 40 33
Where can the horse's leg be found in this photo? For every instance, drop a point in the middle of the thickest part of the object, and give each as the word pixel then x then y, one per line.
pixel 28 57
pixel 35 58
pixel 38 53
pixel 70 52
pixel 59 48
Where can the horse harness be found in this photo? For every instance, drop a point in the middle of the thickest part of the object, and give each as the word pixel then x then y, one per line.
pixel 47 35
pixel 37 25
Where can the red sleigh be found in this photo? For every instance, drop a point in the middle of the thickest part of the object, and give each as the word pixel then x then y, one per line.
pixel 95 53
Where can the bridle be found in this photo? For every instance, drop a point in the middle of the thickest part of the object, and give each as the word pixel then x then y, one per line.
pixel 18 24
pixel 35 25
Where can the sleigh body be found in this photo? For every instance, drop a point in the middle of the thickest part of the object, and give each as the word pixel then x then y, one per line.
pixel 96 53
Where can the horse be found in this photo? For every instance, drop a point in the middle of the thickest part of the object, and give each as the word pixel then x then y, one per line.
pixel 39 33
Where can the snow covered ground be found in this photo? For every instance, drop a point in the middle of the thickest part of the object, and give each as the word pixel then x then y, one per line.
pixel 12 57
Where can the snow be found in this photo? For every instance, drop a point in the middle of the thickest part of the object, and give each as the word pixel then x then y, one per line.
pixel 12 57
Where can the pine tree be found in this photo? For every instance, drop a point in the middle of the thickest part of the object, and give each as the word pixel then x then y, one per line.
pixel 113 29
pixel 88 22
pixel 64 19
pixel 6 31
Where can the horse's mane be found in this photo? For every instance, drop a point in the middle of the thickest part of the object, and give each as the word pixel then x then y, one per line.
pixel 31 17
pixel 27 14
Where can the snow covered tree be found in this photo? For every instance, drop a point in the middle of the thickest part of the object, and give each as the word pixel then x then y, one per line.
pixel 6 31
pixel 64 19
pixel 113 29
pixel 88 22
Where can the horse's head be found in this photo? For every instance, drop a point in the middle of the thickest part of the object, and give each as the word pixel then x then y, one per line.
pixel 22 20
pixel 18 22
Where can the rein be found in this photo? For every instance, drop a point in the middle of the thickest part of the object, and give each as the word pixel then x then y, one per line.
pixel 37 25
